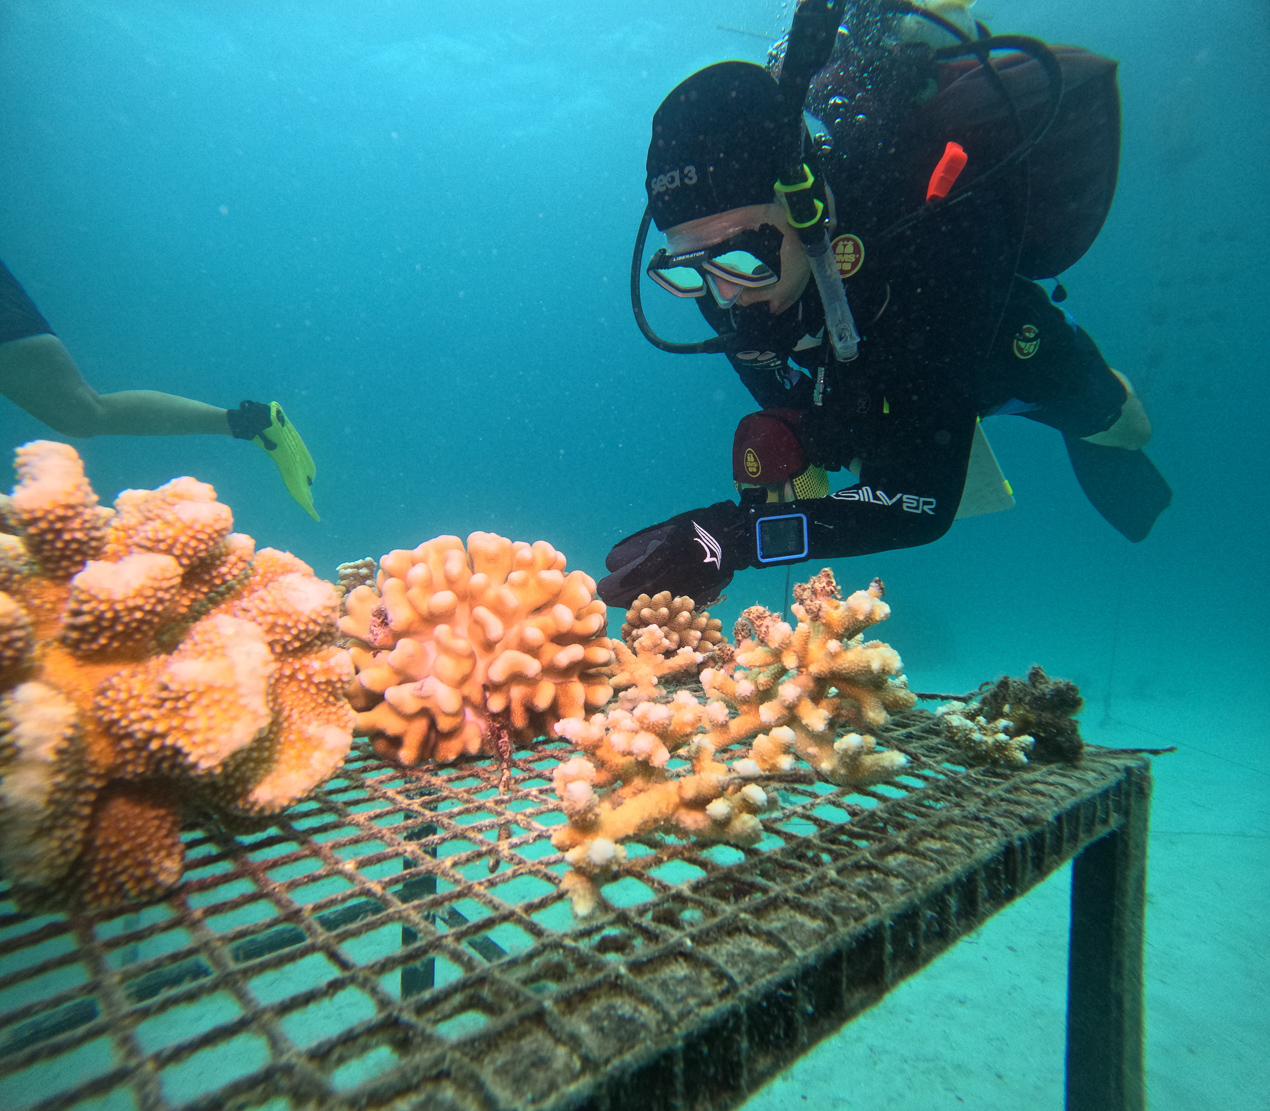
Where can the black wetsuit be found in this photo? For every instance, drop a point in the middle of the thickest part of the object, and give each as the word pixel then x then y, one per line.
pixel 949 334
pixel 19 318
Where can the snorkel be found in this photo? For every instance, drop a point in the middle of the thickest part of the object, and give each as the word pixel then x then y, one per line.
pixel 811 40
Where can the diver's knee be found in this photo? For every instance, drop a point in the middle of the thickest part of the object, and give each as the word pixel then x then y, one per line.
pixel 78 425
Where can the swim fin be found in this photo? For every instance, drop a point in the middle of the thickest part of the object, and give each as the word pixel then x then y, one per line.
pixel 986 489
pixel 1124 486
pixel 267 426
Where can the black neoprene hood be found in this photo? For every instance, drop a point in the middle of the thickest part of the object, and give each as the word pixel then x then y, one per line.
pixel 714 144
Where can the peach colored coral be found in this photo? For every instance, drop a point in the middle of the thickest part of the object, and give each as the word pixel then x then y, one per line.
pixel 641 667
pixel 794 691
pixel 664 636
pixel 457 643
pixel 816 678
pixel 153 667
pixel 618 788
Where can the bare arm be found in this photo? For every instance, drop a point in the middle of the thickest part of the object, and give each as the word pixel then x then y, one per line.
pixel 38 374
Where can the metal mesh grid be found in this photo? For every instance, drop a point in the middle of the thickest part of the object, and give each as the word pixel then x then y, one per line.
pixel 400 941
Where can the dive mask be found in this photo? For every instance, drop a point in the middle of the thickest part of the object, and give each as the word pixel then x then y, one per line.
pixel 750 259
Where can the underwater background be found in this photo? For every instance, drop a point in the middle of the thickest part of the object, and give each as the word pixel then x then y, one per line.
pixel 411 223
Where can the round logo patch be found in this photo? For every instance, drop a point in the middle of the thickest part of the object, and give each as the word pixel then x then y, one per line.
pixel 753 467
pixel 1027 341
pixel 848 253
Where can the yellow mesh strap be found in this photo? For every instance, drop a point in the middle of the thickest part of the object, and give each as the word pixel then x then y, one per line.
pixel 811 483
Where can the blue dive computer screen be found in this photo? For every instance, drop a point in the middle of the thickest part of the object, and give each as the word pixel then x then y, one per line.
pixel 783 538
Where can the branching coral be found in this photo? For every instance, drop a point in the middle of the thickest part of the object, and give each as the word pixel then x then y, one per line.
pixel 458 643
pixel 797 687
pixel 817 676
pixel 664 636
pixel 628 752
pixel 984 741
pixel 358 572
pixel 650 658
pixel 1013 718
pixel 153 668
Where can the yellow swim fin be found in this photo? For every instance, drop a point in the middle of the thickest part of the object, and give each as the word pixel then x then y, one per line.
pixel 267 426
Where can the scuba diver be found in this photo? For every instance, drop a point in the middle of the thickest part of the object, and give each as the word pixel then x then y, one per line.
pixel 952 179
pixel 38 375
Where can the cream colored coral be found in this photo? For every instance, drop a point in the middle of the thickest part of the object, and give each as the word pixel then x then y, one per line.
pixel 168 673
pixel 627 752
pixel 638 672
pixel 793 692
pixel 815 678
pixel 358 572
pixel 455 640
pixel 681 625
pixel 663 636
pixel 983 741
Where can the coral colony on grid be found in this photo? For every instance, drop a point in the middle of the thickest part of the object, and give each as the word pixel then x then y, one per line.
pixel 155 671
pixel 154 668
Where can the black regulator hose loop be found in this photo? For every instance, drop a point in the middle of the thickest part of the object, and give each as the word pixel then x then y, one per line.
pixel 714 346
pixel 1038 51
pixel 982 48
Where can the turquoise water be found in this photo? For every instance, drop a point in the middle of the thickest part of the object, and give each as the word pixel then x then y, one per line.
pixel 411 223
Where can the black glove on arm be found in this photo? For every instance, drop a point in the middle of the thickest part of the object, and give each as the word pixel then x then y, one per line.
pixel 694 553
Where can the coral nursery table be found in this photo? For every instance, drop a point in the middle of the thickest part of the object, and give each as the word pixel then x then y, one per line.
pixel 401 941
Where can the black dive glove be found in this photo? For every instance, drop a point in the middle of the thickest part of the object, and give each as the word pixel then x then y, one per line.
pixel 695 553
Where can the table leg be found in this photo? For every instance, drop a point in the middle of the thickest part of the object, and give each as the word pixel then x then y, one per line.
pixel 1104 972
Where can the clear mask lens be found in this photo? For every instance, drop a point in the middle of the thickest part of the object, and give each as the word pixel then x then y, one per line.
pixel 682 281
pixel 723 302
pixel 742 268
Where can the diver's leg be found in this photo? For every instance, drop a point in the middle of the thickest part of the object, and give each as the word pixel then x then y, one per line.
pixel 1043 366
pixel 38 375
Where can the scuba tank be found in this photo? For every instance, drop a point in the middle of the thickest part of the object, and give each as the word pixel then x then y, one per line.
pixel 1052 112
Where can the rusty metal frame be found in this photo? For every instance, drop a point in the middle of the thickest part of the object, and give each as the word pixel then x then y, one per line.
pixel 401 941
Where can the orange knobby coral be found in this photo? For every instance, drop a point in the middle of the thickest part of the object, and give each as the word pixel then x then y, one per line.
pixel 152 667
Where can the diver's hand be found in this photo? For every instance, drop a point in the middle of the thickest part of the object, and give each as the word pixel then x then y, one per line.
pixel 695 553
